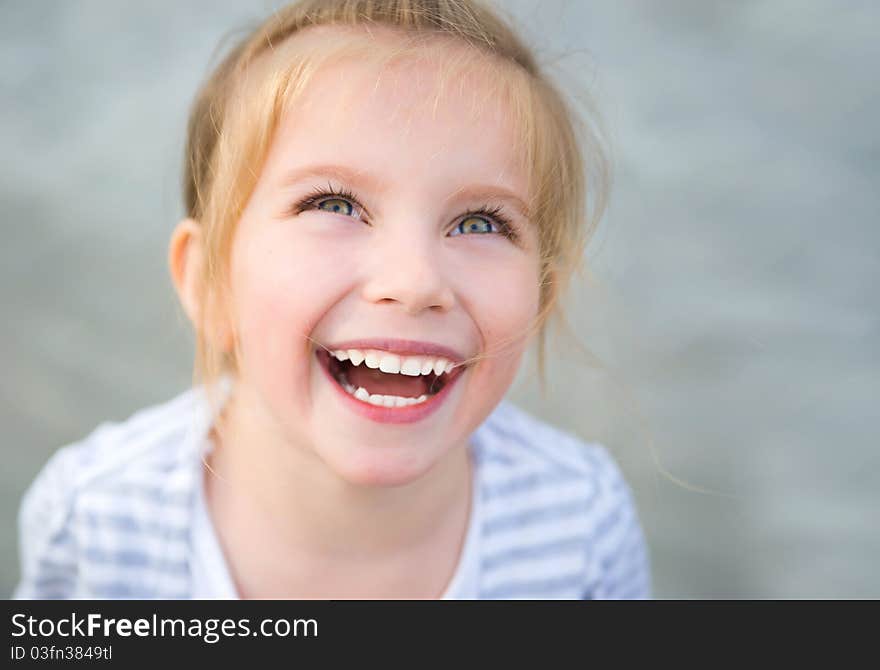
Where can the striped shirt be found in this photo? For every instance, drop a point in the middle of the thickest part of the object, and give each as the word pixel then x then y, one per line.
pixel 121 514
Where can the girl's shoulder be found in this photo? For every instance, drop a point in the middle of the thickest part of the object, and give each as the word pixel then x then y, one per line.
pixel 141 449
pixel 515 439
pixel 102 499
pixel 557 517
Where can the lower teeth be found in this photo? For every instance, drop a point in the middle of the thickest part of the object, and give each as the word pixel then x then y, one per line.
pixel 376 399
pixel 383 400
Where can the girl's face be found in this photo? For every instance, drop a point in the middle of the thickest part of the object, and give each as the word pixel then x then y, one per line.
pixel 362 227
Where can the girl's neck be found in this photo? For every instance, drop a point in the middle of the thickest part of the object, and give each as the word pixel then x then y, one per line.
pixel 288 492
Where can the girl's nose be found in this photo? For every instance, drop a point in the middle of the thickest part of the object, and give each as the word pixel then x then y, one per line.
pixel 408 271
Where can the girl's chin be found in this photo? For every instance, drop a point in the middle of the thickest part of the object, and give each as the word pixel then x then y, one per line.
pixel 380 466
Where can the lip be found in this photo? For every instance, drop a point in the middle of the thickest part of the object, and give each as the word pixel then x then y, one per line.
pixel 409 414
pixel 401 347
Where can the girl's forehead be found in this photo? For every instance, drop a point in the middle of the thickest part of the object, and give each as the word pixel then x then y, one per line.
pixel 403 94
pixel 407 111
pixel 425 63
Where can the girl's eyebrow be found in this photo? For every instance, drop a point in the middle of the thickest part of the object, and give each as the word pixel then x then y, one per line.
pixel 360 179
pixel 489 192
pixel 356 178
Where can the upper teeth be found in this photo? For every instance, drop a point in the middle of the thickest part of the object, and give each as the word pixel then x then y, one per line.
pixel 387 362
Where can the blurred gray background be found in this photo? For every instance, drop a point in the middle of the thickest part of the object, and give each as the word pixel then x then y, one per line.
pixel 732 297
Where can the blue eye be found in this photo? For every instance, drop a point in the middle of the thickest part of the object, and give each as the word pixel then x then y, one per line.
pixel 475 224
pixel 337 206
pixel 484 221
pixel 330 200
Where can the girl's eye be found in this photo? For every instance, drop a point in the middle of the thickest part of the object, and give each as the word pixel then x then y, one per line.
pixel 474 224
pixel 485 221
pixel 330 200
pixel 337 206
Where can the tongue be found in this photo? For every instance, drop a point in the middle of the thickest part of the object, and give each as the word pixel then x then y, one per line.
pixel 376 381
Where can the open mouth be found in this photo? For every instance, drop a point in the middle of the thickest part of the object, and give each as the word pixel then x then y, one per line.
pixel 382 388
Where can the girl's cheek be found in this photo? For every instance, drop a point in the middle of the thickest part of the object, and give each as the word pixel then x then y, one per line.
pixel 511 293
pixel 283 260
pixel 284 284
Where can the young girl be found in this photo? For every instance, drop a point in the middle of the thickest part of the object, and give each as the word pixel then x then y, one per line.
pixel 385 201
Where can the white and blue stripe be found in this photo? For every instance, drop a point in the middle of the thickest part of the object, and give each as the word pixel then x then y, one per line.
pixel 111 516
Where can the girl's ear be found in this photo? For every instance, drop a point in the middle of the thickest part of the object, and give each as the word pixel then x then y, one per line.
pixel 186 258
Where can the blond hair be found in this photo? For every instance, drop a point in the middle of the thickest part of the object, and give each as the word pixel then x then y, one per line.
pixel 237 110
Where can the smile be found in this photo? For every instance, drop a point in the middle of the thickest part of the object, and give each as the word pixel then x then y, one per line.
pixel 376 385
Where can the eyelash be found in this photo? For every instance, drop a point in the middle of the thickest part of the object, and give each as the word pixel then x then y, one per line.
pixel 493 214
